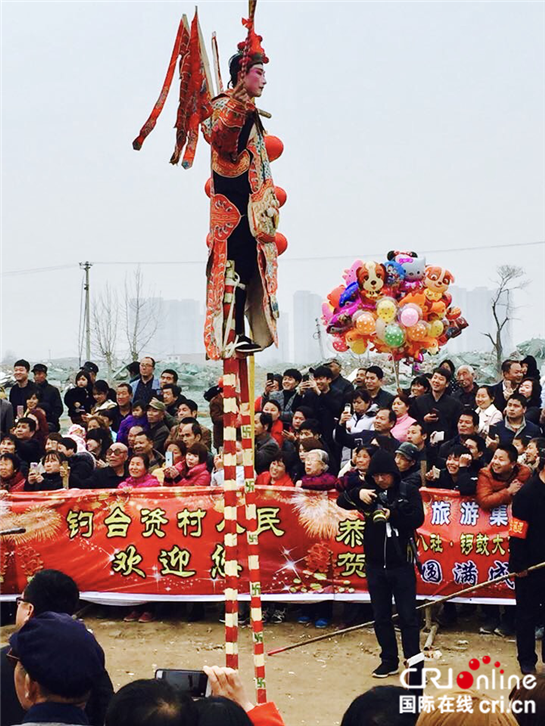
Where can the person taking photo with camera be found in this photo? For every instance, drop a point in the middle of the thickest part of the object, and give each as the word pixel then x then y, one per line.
pixel 393 511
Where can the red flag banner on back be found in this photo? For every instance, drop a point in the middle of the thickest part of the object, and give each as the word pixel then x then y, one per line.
pixel 180 48
pixel 198 104
pixel 195 95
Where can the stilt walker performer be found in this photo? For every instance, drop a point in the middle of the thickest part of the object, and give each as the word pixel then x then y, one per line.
pixel 243 245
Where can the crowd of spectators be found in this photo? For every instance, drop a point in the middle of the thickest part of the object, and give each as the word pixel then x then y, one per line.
pixel 318 431
pixel 445 430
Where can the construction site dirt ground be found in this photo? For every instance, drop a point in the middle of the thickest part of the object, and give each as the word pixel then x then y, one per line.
pixel 313 684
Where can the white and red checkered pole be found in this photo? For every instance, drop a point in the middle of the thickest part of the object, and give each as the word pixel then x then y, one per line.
pixel 230 371
pixel 247 409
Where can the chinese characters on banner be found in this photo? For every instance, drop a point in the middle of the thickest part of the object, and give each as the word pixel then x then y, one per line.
pixel 168 542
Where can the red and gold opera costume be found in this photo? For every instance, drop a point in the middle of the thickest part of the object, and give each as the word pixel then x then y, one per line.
pixel 243 221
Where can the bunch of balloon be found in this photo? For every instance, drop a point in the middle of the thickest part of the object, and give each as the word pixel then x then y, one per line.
pixel 275 148
pixel 400 306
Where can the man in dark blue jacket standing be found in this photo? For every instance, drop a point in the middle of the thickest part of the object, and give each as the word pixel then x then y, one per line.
pixel 527 548
pixel 392 513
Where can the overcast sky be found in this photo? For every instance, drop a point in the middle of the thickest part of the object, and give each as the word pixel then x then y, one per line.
pixel 406 125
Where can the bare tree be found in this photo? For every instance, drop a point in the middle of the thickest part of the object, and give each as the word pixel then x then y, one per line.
pixel 105 316
pixel 141 314
pixel 508 279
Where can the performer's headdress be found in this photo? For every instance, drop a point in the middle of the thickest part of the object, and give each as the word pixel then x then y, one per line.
pixel 250 52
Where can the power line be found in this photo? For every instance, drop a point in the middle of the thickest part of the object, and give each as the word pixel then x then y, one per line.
pixel 31 270
pixel 350 255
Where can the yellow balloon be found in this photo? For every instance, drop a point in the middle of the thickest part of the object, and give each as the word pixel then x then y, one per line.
pixel 436 328
pixel 358 346
pixel 386 309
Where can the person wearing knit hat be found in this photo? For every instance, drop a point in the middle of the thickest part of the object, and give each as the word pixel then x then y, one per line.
pixel 57 661
pixel 393 511
pixel 407 458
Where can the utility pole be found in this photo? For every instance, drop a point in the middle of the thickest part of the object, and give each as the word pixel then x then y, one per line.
pixel 318 337
pixel 86 286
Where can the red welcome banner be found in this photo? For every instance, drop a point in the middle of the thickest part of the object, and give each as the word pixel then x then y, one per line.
pixel 461 545
pixel 167 543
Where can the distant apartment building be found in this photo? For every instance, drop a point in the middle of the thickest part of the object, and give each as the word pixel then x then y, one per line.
pixel 179 330
pixel 307 308
pixel 281 354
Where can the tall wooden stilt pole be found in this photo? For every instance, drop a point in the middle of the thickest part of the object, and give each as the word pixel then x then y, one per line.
pixel 247 414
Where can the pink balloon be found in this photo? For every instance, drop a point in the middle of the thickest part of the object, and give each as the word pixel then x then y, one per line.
pixel 409 317
pixel 327 311
pixel 349 275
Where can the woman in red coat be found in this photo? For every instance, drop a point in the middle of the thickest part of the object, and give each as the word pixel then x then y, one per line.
pixel 197 475
pixel 277 475
pixel 277 429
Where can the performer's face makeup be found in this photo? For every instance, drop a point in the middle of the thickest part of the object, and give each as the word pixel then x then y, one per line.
pixel 255 80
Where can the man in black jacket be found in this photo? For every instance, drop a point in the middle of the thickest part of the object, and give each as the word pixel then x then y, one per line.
pixel 338 382
pixel 407 458
pixel 81 465
pixel 326 404
pixel 111 476
pixel 392 513
pixel 158 430
pixel 48 591
pixel 51 398
pixel 384 421
pixel 467 387
pixel 512 374
pixel 467 427
pixel 23 388
pixel 437 411
pixel 27 446
pixel 527 548
pixel 374 376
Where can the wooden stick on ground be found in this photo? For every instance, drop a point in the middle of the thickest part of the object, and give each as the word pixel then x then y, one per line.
pixel 425 605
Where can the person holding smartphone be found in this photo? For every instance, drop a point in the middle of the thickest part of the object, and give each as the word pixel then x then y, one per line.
pixel 437 411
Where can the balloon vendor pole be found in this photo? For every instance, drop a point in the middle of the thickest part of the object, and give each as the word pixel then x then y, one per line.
pixel 396 373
